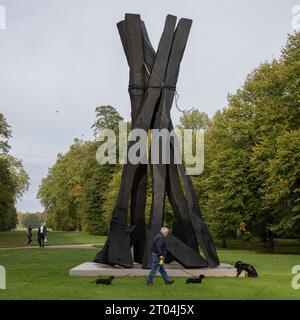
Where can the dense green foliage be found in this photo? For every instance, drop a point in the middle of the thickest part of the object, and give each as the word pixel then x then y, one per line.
pixel 13 179
pixel 252 154
pixel 107 118
pixel 194 120
pixel 5 134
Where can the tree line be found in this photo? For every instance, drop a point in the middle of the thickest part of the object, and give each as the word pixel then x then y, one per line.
pixel 251 181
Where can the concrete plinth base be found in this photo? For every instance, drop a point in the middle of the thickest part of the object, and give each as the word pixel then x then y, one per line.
pixel 90 269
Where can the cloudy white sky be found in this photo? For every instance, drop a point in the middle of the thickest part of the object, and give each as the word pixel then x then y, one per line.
pixel 66 55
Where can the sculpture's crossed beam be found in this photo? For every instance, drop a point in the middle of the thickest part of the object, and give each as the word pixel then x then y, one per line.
pixel 152 84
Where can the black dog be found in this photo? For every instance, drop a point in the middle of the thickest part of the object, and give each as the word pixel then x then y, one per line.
pixel 195 280
pixel 251 272
pixel 105 281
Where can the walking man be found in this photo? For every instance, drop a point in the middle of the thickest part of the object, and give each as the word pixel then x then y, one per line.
pixel 42 232
pixel 29 235
pixel 159 252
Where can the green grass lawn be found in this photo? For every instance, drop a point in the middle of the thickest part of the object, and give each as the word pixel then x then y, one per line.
pixel 284 246
pixel 19 238
pixel 43 273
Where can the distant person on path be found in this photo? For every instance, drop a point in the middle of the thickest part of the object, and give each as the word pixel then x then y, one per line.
pixel 159 252
pixel 42 232
pixel 29 234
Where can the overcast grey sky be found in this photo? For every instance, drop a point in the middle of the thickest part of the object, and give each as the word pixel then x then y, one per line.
pixel 66 55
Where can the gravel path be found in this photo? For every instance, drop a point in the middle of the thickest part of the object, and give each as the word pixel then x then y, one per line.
pixel 63 246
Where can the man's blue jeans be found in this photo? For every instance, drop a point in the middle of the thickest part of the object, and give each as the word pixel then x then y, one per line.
pixel 155 267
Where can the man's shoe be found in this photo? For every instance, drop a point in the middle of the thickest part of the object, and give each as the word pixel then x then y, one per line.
pixel 169 282
pixel 149 284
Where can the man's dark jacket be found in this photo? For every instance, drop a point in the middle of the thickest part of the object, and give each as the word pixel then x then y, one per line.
pixel 44 231
pixel 159 245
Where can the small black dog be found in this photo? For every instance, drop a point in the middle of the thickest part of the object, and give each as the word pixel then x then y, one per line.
pixel 251 272
pixel 195 280
pixel 105 281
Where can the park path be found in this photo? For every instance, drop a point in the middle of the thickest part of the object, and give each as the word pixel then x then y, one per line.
pixel 61 246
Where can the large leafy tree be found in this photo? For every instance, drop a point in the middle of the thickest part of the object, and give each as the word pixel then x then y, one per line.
pixel 107 117
pixel 60 191
pixel 194 120
pixel 14 180
pixel 5 134
pixel 8 214
pixel 252 165
pixel 282 187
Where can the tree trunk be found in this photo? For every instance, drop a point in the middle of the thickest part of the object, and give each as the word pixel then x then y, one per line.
pixel 224 243
pixel 78 224
pixel 270 240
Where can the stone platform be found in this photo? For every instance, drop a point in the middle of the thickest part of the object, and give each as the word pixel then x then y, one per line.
pixel 90 269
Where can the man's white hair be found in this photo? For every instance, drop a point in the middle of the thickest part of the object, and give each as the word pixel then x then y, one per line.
pixel 164 230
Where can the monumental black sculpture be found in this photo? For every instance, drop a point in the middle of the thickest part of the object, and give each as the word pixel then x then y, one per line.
pixel 152 85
